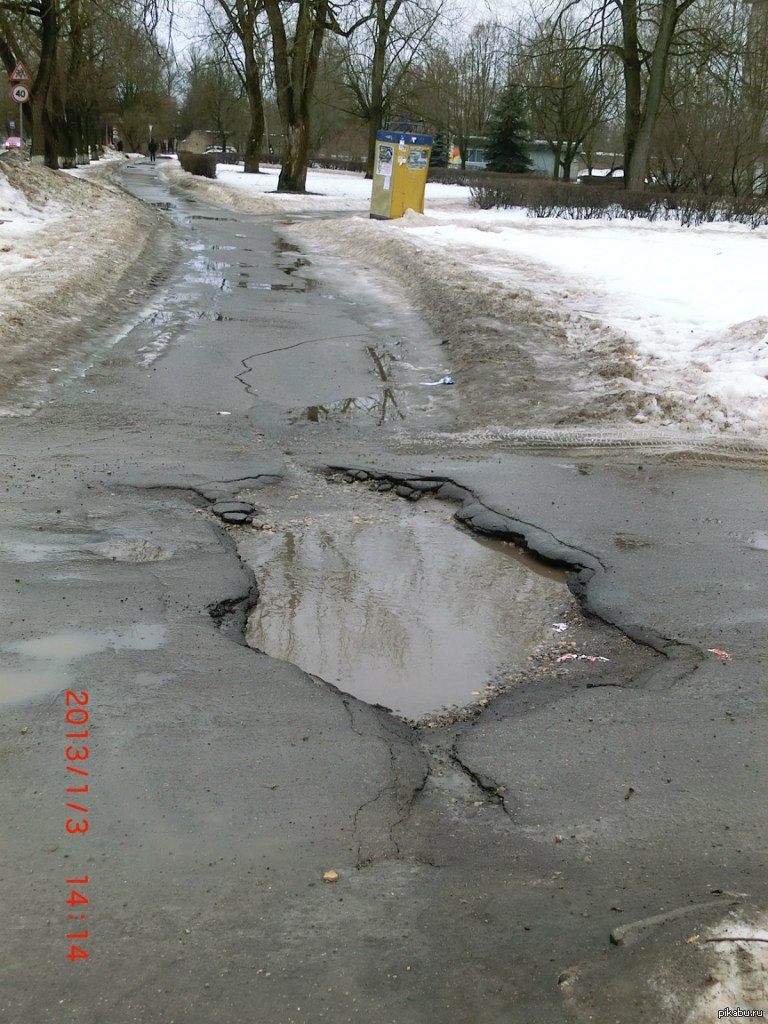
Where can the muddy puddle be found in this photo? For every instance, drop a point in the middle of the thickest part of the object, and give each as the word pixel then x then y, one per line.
pixel 396 604
pixel 40 665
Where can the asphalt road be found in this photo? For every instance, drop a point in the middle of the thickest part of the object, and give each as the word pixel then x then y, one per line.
pixel 482 865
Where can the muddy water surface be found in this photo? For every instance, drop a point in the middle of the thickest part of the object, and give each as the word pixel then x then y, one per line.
pixel 405 610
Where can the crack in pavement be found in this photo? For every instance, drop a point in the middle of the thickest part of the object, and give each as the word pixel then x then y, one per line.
pixel 285 348
pixel 401 793
pixel 493 792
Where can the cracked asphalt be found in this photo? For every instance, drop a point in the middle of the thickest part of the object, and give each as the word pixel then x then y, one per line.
pixel 482 863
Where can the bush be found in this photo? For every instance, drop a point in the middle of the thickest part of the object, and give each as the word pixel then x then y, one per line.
pixel 575 202
pixel 339 163
pixel 202 164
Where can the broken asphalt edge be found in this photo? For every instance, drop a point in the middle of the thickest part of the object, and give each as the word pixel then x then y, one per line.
pixel 681 659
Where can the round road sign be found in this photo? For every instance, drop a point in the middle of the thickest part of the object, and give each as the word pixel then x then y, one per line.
pixel 20 93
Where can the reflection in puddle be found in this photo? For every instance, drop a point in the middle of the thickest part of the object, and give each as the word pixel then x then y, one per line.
pixel 299 284
pixel 210 272
pixel 291 260
pixel 381 408
pixel 414 614
pixel 41 665
pixel 296 264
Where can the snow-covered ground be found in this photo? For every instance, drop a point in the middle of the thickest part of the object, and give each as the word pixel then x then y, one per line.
pixel 680 314
pixel 687 306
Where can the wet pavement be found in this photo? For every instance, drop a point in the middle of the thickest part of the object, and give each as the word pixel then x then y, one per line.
pixel 483 861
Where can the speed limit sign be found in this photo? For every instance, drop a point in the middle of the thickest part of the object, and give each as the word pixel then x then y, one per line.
pixel 20 93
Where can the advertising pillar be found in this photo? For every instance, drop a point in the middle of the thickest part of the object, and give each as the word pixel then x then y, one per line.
pixel 399 173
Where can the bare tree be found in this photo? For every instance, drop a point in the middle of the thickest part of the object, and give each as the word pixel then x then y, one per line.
pixel 567 87
pixel 297 31
pixel 711 131
pixel 641 33
pixel 35 23
pixel 242 25
pixel 58 39
pixel 379 56
pixel 463 80
pixel 214 100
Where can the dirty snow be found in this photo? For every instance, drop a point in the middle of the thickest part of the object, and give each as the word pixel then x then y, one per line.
pixel 68 248
pixel 680 314
pixel 738 969
pixel 732 973
pixel 637 325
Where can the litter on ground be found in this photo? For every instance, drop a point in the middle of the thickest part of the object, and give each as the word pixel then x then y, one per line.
pixel 722 655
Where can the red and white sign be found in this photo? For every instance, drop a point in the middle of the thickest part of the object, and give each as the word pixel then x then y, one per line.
pixel 20 93
pixel 20 74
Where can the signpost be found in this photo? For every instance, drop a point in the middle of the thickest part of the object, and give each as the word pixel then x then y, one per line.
pixel 20 79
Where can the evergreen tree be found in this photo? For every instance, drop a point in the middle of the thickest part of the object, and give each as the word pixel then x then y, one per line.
pixel 440 149
pixel 504 150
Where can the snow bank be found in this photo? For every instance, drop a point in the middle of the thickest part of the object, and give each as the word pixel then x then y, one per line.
pixel 67 249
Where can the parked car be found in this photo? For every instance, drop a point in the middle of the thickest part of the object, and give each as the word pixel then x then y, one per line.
pixel 219 149
pixel 13 142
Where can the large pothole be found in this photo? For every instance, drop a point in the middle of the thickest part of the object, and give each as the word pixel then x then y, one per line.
pixel 393 602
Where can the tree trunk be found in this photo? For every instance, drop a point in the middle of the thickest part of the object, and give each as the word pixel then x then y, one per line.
pixel 255 96
pixel 570 153
pixel 376 107
pixel 384 22
pixel 293 170
pixel 632 81
pixel 641 115
pixel 44 140
pixel 636 171
pixel 557 162
pixel 68 120
pixel 295 69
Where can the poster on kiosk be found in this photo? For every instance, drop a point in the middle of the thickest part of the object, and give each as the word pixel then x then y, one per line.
pixel 400 171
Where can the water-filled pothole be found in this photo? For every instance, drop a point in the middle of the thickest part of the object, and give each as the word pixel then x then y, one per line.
pixel 397 605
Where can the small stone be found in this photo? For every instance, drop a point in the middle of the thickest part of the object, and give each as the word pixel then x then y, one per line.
pixel 361 475
pixel 236 517
pixel 221 508
pixel 331 876
pixel 402 491
pixel 424 485
pixel 558 839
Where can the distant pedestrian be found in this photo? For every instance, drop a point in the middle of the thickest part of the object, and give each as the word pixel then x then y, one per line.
pixel 119 145
pixel 152 150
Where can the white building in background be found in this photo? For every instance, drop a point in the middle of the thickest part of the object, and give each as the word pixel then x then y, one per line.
pixel 539 152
